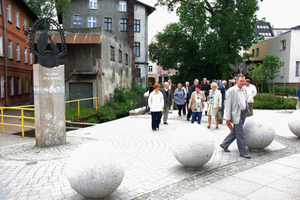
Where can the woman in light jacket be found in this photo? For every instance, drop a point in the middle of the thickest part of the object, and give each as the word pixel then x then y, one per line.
pixel 156 104
pixel 179 96
pixel 197 104
pixel 214 103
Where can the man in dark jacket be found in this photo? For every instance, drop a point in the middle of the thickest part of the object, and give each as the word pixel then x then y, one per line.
pixel 191 90
pixel 167 93
pixel 205 87
pixel 223 92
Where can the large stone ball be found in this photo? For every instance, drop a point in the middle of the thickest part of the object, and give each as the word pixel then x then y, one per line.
pixel 95 170
pixel 192 145
pixel 258 133
pixel 294 123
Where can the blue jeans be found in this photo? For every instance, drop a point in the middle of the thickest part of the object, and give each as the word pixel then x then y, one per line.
pixel 156 116
pixel 196 114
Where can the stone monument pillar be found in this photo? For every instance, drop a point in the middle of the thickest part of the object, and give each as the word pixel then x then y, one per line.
pixel 49 104
pixel 49 85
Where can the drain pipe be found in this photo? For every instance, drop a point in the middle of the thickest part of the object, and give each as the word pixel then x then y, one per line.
pixel 5 52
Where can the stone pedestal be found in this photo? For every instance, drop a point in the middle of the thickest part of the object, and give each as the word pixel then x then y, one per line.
pixel 49 104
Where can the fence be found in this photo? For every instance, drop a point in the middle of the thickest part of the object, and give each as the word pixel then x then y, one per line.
pixel 30 108
pixel 139 101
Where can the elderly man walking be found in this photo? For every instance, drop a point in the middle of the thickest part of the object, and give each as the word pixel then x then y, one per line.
pixel 167 93
pixel 236 107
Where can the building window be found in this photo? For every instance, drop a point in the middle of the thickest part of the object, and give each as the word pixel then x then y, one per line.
pixel 150 68
pixel 134 7
pixel 9 17
pixel 25 55
pixel 126 59
pixel 137 49
pixel 1 45
pixel 136 25
pixel 282 45
pixel 257 52
pixel 120 56
pixel 123 25
pixel 12 86
pixel 17 19
pixel 77 21
pixel 253 52
pixel 20 85
pixel 30 58
pixel 107 23
pixel 93 4
pixel 92 22
pixel 2 87
pixel 10 49
pixel 25 24
pixel 112 53
pixel 123 6
pixel 27 85
pixel 297 68
pixel 18 52
pixel 279 32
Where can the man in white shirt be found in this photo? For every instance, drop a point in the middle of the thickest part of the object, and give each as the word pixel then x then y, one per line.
pixel 251 92
pixel 236 106
pixel 186 92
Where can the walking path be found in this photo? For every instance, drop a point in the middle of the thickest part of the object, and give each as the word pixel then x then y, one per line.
pixel 151 171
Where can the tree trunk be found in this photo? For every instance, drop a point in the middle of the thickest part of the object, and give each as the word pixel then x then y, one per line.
pixel 273 91
pixel 269 88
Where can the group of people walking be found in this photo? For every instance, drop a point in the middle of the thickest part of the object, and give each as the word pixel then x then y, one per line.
pixel 191 100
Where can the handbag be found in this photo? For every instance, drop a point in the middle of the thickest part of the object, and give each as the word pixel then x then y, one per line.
pixel 146 94
pixel 220 117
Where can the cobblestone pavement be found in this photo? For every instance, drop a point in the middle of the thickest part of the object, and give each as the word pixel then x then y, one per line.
pixel 151 171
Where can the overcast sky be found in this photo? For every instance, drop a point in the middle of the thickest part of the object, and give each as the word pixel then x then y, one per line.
pixel 280 13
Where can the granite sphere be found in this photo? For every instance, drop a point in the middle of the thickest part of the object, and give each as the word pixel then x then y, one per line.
pixel 193 145
pixel 294 123
pixel 258 133
pixel 95 169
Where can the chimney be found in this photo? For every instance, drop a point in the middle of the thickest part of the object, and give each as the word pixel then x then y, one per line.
pixel 263 19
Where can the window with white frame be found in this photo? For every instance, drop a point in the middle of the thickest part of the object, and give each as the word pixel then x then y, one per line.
pixel 136 49
pixel 136 25
pixel 150 68
pixel 1 45
pixel 282 45
pixel 10 49
pixel 108 23
pixel 9 17
pixel 18 52
pixel 93 4
pixel 112 53
pixel 2 87
pixel 30 58
pixel 20 85
pixel 257 52
pixel 92 22
pixel 25 24
pixel 123 6
pixel 25 55
pixel 17 19
pixel 297 68
pixel 27 85
pixel 12 86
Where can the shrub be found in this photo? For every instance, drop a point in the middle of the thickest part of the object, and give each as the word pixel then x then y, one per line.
pixel 292 91
pixel 264 101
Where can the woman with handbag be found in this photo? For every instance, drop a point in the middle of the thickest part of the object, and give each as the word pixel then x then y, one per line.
pixel 214 104
pixel 197 104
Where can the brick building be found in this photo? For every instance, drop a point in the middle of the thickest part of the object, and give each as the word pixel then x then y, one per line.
pixel 15 60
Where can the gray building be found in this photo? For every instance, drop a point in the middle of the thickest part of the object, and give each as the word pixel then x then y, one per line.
pixel 126 20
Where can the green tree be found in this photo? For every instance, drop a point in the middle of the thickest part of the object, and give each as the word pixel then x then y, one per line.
pixel 207 37
pixel 49 8
pixel 272 65
pixel 258 75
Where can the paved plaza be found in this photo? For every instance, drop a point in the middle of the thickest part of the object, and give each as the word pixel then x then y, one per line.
pixel 151 171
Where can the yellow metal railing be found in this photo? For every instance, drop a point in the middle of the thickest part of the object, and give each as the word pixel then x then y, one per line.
pixel 28 108
pixel 22 117
pixel 79 100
